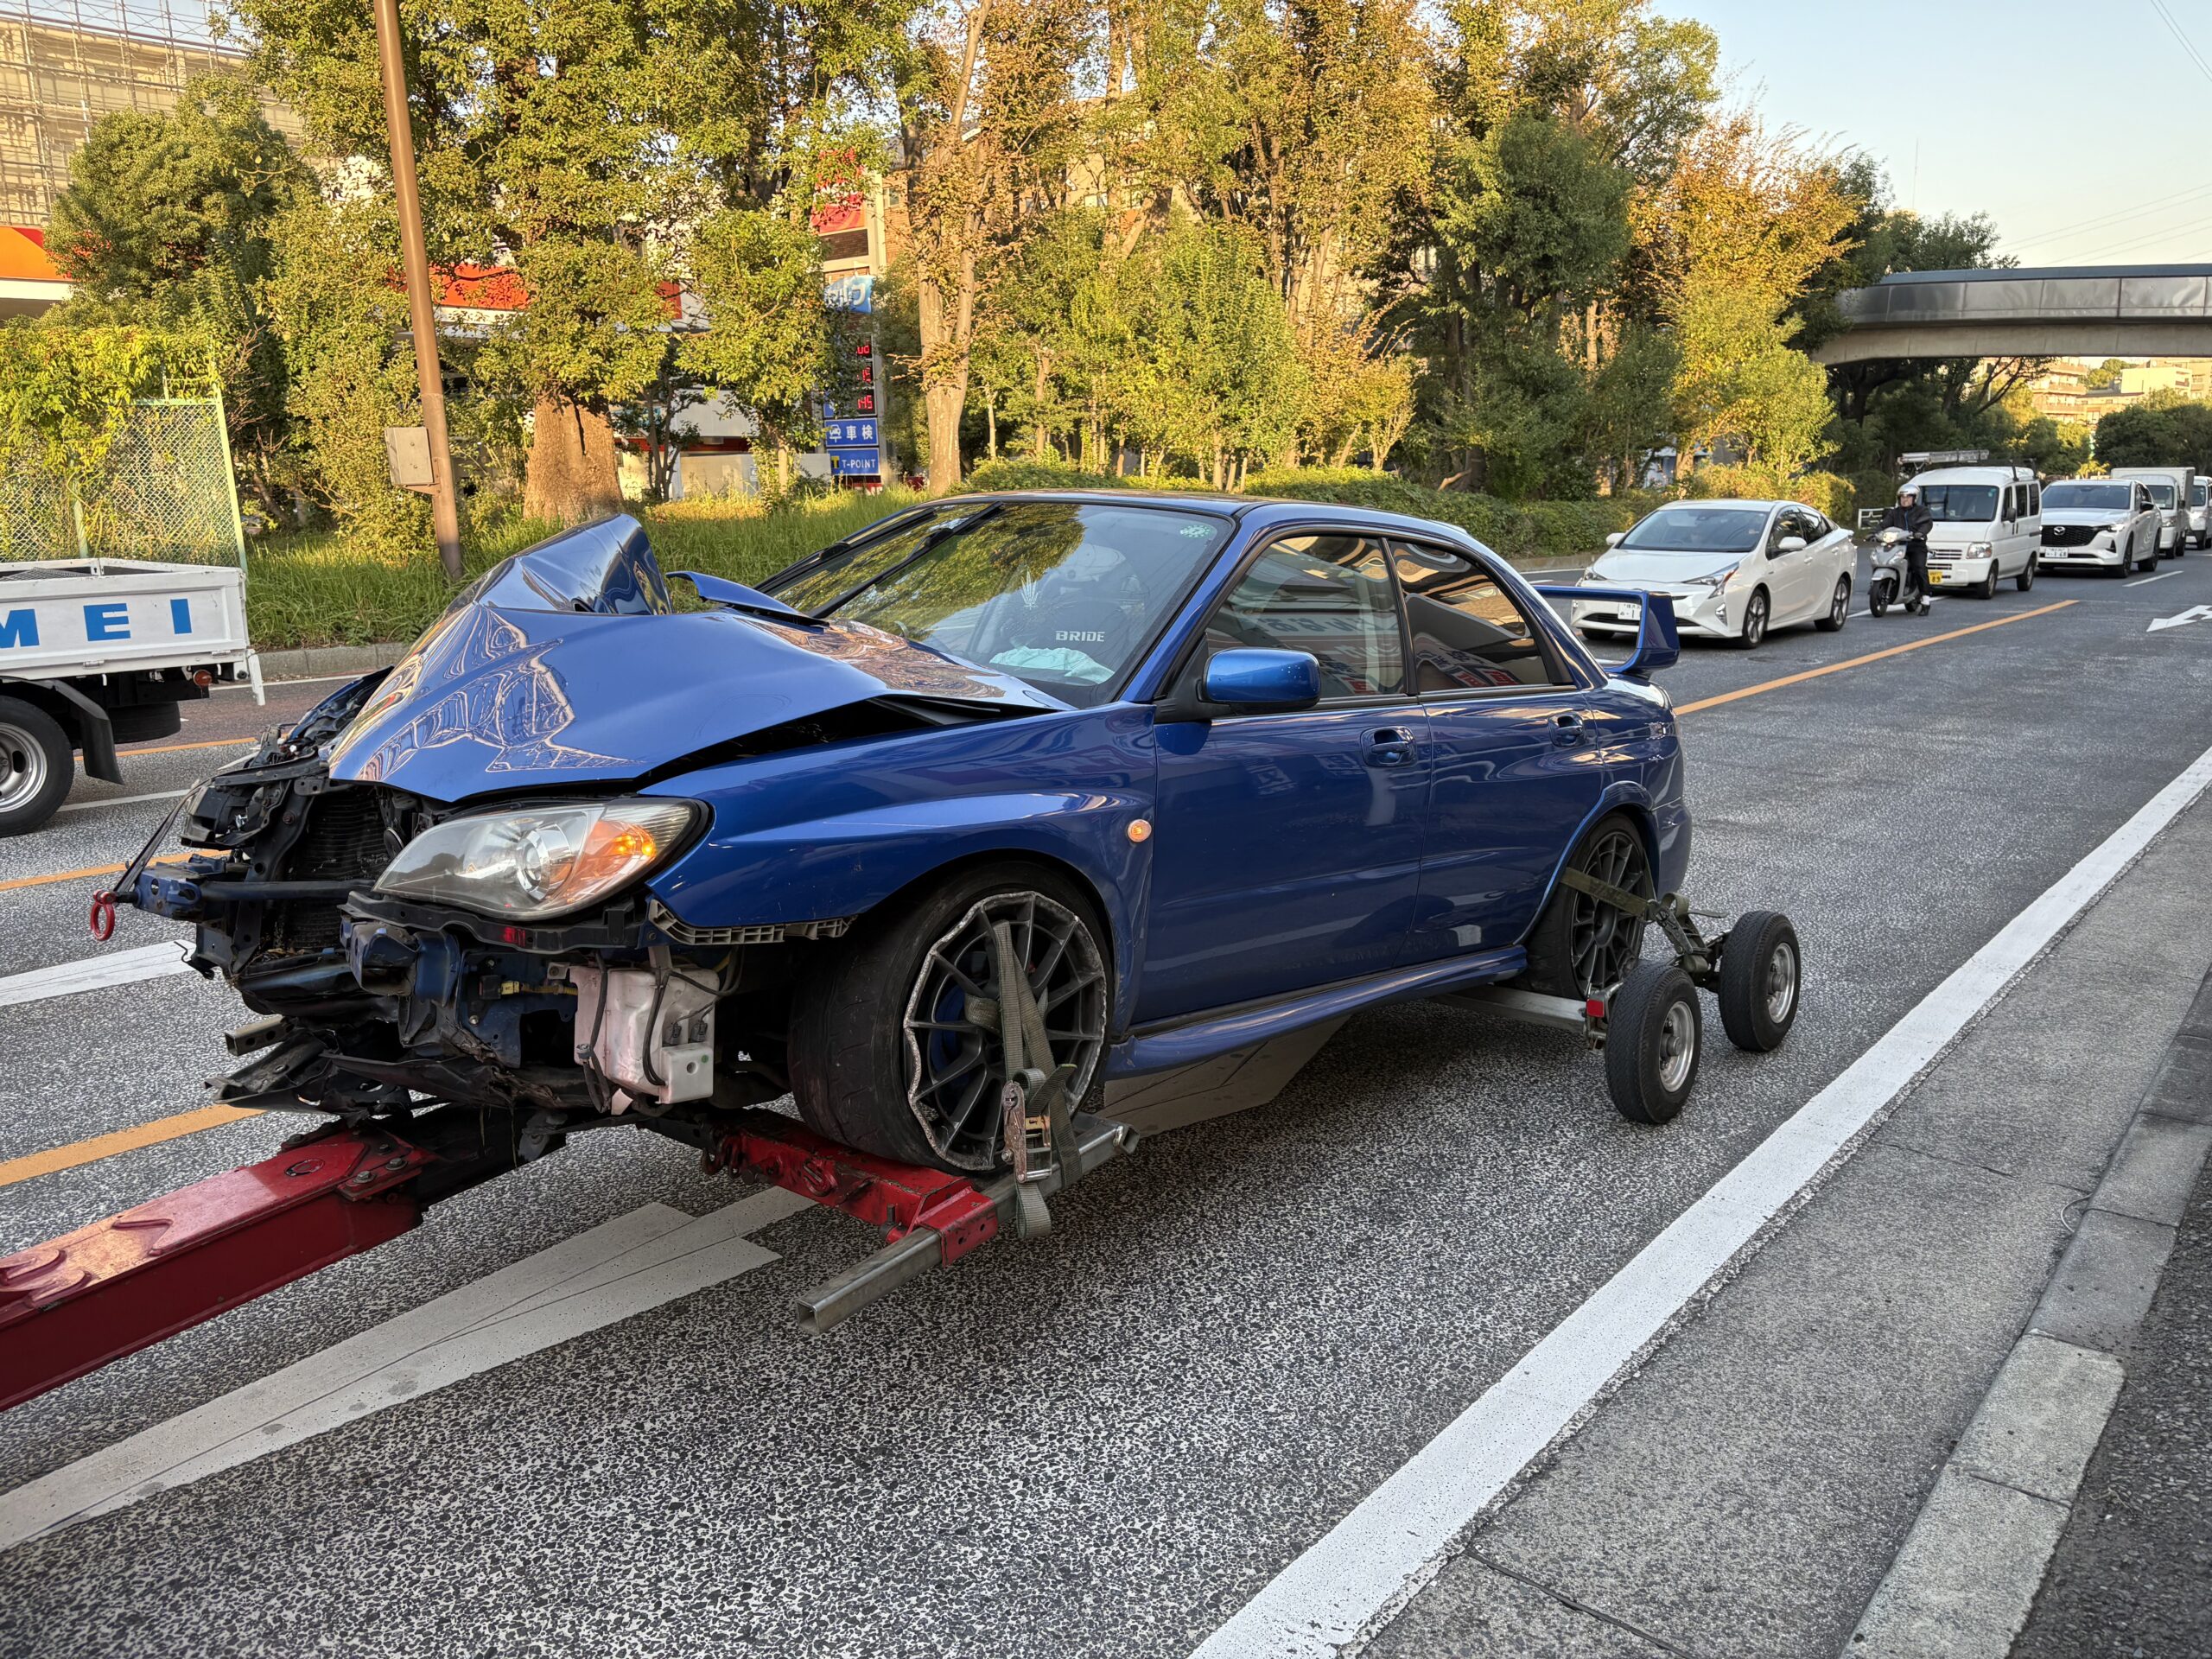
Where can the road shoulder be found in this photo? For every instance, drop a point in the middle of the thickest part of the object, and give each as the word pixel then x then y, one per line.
pixel 1749 1489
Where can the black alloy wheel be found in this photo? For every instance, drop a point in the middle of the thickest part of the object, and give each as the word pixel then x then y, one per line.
pixel 1839 607
pixel 1754 614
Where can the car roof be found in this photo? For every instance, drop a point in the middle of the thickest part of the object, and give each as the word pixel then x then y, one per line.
pixel 1971 475
pixel 1728 501
pixel 1260 511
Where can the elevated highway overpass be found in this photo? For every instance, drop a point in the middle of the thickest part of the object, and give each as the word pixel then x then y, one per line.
pixel 2092 311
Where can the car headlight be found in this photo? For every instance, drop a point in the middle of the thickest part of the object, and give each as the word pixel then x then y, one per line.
pixel 531 863
pixel 1717 579
pixel 1979 549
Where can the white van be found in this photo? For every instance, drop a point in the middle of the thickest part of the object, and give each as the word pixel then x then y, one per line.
pixel 2169 487
pixel 1988 525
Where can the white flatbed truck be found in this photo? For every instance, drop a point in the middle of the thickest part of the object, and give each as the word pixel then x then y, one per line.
pixel 94 653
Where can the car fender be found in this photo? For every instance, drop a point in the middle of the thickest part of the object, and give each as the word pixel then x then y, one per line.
pixel 829 834
pixel 1630 796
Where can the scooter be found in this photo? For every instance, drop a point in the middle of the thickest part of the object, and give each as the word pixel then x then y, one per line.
pixel 1885 581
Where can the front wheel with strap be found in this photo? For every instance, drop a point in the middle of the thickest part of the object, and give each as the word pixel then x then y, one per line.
pixel 1582 945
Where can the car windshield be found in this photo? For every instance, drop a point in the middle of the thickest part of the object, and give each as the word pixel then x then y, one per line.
pixel 1961 504
pixel 1060 594
pixel 2161 489
pixel 2200 492
pixel 2105 498
pixel 1697 529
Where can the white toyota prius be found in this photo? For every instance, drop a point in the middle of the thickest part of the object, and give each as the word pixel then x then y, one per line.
pixel 1734 569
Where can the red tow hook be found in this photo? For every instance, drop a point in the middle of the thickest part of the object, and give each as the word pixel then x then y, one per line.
pixel 103 917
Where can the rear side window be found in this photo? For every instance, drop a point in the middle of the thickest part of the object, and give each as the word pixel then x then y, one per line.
pixel 1329 596
pixel 1470 634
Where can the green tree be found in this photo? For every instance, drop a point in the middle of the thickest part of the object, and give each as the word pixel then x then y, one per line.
pixel 569 139
pixel 166 223
pixel 766 347
pixel 2163 430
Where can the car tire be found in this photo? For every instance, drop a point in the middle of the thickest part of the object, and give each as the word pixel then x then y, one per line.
pixel 880 1058
pixel 1839 607
pixel 1655 1035
pixel 2126 560
pixel 1761 973
pixel 1986 587
pixel 1756 609
pixel 2026 579
pixel 1579 947
pixel 37 766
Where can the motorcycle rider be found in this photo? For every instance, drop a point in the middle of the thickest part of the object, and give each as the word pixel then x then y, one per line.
pixel 1912 516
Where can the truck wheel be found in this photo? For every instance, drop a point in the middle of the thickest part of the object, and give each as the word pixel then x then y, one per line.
pixel 1759 976
pixel 885 1055
pixel 1580 947
pixel 37 764
pixel 1654 1033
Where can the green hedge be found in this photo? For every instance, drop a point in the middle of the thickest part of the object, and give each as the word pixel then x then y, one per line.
pixel 1529 532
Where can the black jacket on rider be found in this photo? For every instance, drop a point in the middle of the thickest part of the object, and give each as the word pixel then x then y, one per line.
pixel 1915 520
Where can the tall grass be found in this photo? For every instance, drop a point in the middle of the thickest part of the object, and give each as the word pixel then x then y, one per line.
pixel 319 588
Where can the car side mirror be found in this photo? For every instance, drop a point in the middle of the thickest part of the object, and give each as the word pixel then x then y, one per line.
pixel 1616 538
pixel 1250 681
pixel 1790 544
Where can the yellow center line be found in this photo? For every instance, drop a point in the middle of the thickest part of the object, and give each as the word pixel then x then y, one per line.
pixel 1871 657
pixel 107 1146
pixel 179 749
pixel 85 874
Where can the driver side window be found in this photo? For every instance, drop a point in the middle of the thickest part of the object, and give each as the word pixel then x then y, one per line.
pixel 1327 596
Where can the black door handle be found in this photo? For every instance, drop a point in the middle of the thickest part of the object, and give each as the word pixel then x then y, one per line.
pixel 1391 746
pixel 1567 729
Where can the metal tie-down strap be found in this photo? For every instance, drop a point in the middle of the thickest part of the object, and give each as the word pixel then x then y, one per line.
pixel 1038 1113
pixel 1700 957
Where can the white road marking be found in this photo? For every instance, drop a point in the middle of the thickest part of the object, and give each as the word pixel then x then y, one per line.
pixel 93 973
pixel 2144 582
pixel 1395 1542
pixel 621 1267
pixel 124 800
pixel 2182 619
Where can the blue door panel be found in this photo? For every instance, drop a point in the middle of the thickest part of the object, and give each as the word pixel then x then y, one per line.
pixel 1511 778
pixel 1285 854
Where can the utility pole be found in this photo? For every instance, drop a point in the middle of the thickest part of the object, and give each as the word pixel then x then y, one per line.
pixel 422 311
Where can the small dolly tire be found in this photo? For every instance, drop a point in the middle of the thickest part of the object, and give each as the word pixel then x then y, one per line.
pixel 1760 972
pixel 1654 1035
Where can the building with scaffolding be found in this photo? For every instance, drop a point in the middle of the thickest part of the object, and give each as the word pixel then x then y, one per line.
pixel 65 63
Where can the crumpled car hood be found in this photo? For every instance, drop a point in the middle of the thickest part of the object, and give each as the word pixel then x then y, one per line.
pixel 497 697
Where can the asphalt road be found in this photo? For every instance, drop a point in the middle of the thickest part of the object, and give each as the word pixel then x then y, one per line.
pixel 1102 1443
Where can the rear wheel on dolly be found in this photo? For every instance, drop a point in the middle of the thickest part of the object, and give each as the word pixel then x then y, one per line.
pixel 1581 946
pixel 1759 976
pixel 1654 1035
pixel 895 1043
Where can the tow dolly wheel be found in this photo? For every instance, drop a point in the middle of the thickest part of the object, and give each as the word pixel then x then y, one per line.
pixel 1654 1034
pixel 1759 970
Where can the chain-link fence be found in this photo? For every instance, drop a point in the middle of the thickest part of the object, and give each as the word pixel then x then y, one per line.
pixel 166 492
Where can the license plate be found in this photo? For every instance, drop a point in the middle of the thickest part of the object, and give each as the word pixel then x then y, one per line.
pixel 1935 578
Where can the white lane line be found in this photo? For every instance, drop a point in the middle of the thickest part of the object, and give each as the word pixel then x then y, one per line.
pixel 124 800
pixel 2144 582
pixel 93 973
pixel 621 1267
pixel 1394 1540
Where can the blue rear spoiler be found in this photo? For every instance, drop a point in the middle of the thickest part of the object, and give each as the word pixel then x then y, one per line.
pixel 1658 642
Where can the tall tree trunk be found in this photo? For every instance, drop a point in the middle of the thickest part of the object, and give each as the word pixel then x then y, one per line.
pixel 991 425
pixel 571 477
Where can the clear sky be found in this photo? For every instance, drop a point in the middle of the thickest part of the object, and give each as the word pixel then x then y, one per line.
pixel 2084 129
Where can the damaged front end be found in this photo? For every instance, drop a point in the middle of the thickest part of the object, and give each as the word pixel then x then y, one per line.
pixel 433 888
pixel 404 953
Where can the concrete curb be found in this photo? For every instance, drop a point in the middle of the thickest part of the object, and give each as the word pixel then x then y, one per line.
pixel 317 661
pixel 1964 1583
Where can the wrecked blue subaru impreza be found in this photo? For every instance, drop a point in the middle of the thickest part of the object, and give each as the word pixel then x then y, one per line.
pixel 1202 772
